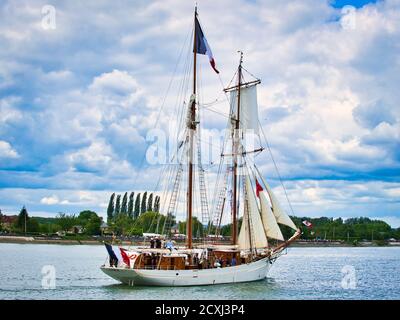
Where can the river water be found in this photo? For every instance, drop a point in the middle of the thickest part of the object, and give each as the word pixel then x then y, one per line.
pixel 26 272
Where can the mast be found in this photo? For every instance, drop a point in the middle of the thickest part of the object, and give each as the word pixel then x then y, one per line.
pixel 192 128
pixel 235 152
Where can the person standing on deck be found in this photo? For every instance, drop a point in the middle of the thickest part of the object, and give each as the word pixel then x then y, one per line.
pixel 158 243
pixel 169 245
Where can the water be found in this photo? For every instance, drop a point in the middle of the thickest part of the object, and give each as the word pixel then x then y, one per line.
pixel 304 273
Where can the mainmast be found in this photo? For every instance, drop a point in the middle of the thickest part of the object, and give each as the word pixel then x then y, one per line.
pixel 235 153
pixel 192 129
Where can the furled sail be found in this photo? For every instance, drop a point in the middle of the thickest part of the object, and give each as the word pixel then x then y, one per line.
pixel 270 225
pixel 280 215
pixel 258 238
pixel 248 107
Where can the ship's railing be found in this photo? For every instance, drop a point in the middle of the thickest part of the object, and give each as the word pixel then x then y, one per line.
pixel 170 267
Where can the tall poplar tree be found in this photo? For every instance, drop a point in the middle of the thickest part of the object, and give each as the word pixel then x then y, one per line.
pixel 110 209
pixel 136 213
pixel 157 204
pixel 130 205
pixel 124 206
pixel 144 203
pixel 150 203
pixel 117 207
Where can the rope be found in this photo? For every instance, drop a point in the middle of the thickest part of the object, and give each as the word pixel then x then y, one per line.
pixel 276 167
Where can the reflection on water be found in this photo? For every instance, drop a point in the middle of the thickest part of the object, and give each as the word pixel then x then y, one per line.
pixel 304 273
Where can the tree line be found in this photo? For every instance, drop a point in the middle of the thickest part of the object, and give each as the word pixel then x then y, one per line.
pixel 142 216
pixel 132 207
pixel 351 230
pixel 87 221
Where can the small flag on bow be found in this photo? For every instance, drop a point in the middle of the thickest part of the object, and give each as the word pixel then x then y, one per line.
pixel 308 224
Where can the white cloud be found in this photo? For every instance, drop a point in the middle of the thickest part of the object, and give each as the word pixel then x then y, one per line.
pixel 6 151
pixel 50 200
pixel 92 88
pixel 393 221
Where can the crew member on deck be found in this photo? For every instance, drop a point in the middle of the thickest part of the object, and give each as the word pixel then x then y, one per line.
pixel 169 245
pixel 158 243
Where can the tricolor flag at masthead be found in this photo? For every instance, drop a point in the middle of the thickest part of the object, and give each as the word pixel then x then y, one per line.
pixel 201 45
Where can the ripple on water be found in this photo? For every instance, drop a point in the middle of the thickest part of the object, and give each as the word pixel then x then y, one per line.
pixel 304 273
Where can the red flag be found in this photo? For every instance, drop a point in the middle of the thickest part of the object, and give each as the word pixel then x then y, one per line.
pixel 258 188
pixel 308 224
pixel 125 257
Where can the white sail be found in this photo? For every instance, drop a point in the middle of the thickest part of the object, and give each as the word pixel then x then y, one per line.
pixel 248 108
pixel 270 225
pixel 258 238
pixel 280 215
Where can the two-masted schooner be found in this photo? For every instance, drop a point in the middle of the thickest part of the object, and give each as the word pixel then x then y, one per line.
pixel 256 238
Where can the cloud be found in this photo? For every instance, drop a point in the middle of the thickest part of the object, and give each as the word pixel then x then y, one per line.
pixel 393 221
pixel 50 200
pixel 77 102
pixel 373 114
pixel 6 151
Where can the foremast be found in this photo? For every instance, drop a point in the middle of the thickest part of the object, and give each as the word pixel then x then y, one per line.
pixel 192 130
pixel 235 149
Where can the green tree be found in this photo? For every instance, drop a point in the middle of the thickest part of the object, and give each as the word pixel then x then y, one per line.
pixel 130 205
pixel 124 206
pixel 136 213
pixel 1 220
pixel 147 222
pixel 22 220
pixel 157 204
pixel 65 221
pixel 110 209
pixel 123 225
pixel 144 203
pixel 197 227
pixel 33 225
pixel 150 203
pixel 90 221
pixel 117 206
pixel 48 228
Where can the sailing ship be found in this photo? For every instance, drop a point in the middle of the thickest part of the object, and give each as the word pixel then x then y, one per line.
pixel 256 239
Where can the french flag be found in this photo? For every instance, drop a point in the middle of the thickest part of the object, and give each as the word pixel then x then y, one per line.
pixel 201 45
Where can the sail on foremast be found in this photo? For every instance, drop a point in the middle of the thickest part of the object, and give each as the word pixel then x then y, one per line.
pixel 280 215
pixel 252 231
pixel 271 227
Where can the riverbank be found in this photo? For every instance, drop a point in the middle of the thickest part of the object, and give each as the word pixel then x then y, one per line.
pixel 32 240
pixel 301 244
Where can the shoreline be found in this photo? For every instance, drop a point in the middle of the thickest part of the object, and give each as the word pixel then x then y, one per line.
pixel 299 244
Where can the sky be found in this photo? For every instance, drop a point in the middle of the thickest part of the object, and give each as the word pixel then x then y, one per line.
pixel 81 85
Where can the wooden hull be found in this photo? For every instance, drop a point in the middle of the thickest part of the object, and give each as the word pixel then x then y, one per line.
pixel 141 277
